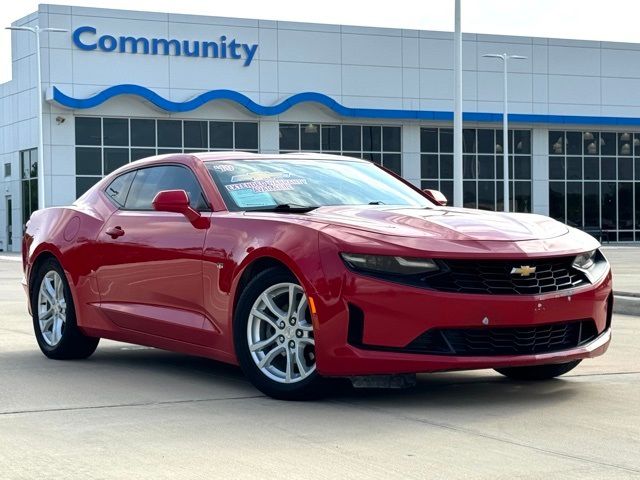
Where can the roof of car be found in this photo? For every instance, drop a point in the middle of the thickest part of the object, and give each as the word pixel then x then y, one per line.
pixel 217 156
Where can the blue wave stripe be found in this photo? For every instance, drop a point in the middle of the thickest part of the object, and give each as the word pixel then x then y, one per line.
pixel 324 100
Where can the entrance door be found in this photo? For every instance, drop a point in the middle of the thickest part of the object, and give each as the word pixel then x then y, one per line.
pixel 9 226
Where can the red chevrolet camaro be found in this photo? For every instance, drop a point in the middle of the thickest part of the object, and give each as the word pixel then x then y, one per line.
pixel 300 267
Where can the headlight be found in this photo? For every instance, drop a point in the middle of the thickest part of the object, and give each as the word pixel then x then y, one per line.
pixel 389 264
pixel 585 261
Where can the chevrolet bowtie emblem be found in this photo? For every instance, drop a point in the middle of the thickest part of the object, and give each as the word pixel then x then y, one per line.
pixel 523 271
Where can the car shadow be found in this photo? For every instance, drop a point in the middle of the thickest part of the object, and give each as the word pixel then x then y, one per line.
pixel 446 390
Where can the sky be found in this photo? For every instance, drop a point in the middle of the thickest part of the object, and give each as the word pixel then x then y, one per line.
pixel 610 20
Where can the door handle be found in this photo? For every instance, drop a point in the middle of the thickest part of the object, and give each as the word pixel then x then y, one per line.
pixel 115 232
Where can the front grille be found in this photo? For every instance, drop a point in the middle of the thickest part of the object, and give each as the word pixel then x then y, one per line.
pixel 504 341
pixel 495 277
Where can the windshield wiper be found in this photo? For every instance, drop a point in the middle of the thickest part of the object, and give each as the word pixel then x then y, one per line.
pixel 377 202
pixel 287 207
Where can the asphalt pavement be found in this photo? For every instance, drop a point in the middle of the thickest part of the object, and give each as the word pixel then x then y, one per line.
pixel 135 413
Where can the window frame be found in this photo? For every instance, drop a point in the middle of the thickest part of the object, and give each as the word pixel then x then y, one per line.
pixel 136 170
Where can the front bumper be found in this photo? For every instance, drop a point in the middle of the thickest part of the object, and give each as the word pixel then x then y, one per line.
pixel 394 315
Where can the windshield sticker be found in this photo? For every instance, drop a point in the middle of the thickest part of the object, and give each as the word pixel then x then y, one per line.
pixel 280 185
pixel 223 167
pixel 257 176
pixel 248 198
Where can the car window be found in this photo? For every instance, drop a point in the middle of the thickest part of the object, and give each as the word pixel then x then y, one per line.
pixel 255 184
pixel 149 181
pixel 119 188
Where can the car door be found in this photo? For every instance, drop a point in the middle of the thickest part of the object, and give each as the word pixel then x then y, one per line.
pixel 150 274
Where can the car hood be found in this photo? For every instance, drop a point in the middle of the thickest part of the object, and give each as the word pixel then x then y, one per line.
pixel 445 223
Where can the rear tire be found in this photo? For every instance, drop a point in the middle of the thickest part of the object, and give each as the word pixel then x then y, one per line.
pixel 538 372
pixel 54 316
pixel 273 337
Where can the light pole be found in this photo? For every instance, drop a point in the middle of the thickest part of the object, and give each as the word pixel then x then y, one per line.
pixel 505 124
pixel 37 31
pixel 457 109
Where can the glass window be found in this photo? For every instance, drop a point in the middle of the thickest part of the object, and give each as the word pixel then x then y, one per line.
pixel 88 131
pixel 486 195
pixel 393 162
pixel 115 158
pixel 521 194
pixel 625 140
pixel 88 161
pixel 625 206
pixel 138 153
pixel 372 139
pixel 221 135
pixel 574 204
pixel 351 137
pixel 608 168
pixel 196 134
pixel 592 204
pixel 557 200
pixel 170 133
pixel 469 166
pixel 591 168
pixel 143 132
pixel 85 183
pixel 310 137
pixel 446 166
pixel 574 168
pixel 469 140
pixel 591 143
pixel 391 141
pixel 486 164
pixel 486 141
pixel 246 135
pixel 29 167
pixel 469 194
pixel 429 166
pixel 289 136
pixel 608 143
pixel 625 168
pixel 556 143
pixel 300 182
pixel 522 142
pixel 7 169
pixel 331 138
pixel 608 198
pixel 119 188
pixel 573 143
pixel 429 140
pixel 115 131
pixel 556 168
pixel 446 140
pixel 149 181
pixel 522 167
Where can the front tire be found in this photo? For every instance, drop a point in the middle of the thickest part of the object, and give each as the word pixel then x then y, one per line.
pixel 273 336
pixel 538 372
pixel 54 316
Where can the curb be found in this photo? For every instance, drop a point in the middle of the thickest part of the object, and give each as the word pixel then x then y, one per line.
pixel 626 303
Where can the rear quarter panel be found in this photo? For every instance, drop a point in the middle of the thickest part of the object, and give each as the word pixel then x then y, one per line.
pixel 68 233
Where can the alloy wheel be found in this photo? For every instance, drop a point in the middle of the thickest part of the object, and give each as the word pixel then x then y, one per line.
pixel 280 334
pixel 52 308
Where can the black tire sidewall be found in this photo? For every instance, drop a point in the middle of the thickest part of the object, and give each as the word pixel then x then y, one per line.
pixel 73 343
pixel 305 389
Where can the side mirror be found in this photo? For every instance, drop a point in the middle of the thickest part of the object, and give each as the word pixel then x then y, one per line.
pixel 436 196
pixel 176 201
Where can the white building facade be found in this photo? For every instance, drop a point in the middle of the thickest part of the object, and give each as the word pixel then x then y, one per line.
pixel 123 85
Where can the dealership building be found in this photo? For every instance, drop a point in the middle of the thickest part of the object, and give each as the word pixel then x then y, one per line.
pixel 123 85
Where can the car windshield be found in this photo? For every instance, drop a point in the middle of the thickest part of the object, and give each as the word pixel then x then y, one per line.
pixel 267 184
